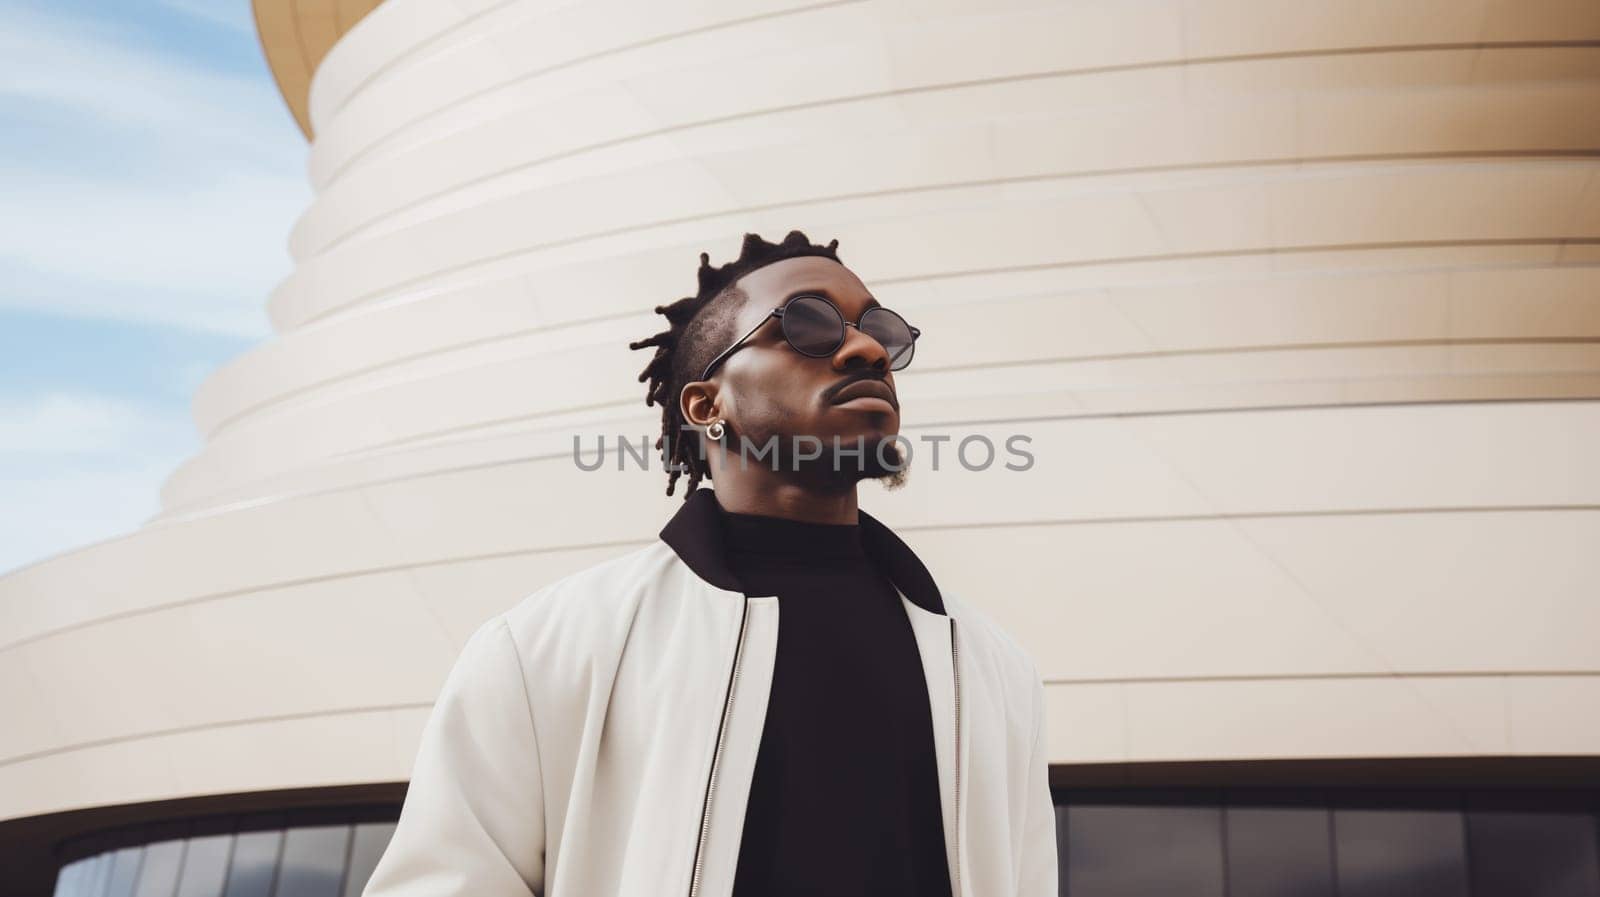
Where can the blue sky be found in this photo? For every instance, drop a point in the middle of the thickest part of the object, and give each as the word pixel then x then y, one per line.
pixel 149 175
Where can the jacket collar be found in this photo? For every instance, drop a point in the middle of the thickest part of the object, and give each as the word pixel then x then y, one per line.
pixel 695 533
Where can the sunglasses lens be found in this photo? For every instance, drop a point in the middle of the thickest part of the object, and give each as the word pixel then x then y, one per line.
pixel 892 332
pixel 813 326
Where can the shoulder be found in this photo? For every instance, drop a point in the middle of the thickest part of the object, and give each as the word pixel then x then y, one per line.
pixel 604 591
pixel 994 641
pixel 1012 672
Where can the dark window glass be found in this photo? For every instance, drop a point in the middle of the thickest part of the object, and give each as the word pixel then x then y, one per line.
pixel 255 858
pixel 205 866
pixel 158 875
pixel 1391 852
pixel 1063 850
pixel 313 861
pixel 1144 851
pixel 1533 854
pixel 1279 852
pixel 124 871
pixel 371 839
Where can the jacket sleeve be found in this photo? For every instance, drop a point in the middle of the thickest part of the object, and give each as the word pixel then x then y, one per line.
pixel 1040 871
pixel 472 824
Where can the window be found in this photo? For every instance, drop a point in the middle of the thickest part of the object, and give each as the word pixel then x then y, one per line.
pixel 313 853
pixel 1338 843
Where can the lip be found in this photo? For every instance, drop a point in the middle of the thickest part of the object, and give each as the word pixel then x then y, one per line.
pixel 867 389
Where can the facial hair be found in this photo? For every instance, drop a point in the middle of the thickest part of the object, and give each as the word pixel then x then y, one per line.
pixel 857 458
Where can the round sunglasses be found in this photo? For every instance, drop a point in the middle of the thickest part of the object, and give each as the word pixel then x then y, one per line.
pixel 815 327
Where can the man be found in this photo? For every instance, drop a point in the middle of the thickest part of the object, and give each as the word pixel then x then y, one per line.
pixel 647 727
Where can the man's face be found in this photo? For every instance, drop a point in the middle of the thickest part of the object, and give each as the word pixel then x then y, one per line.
pixel 769 389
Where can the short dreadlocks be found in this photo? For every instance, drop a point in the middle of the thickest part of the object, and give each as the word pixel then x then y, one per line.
pixel 701 325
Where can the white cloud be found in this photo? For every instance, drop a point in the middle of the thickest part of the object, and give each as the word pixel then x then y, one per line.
pixel 176 102
pixel 137 185
pixel 67 507
pixel 234 14
pixel 77 468
pixel 58 424
pixel 203 256
pixel 180 186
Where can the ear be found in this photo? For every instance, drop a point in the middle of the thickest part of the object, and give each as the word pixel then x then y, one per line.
pixel 698 403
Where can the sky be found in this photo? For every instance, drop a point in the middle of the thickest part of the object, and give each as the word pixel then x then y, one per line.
pixel 149 175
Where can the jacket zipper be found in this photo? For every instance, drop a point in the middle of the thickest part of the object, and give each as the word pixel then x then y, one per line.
pixel 716 755
pixel 955 664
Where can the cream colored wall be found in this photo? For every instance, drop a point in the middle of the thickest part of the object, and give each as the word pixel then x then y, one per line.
pixel 1298 303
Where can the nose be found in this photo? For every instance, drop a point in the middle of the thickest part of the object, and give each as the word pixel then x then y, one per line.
pixel 858 348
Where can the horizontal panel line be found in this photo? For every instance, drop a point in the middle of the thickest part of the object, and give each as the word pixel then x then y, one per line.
pixel 1073 416
pixel 295 582
pixel 1031 363
pixel 1557 241
pixel 398 59
pixel 1251 515
pixel 626 544
pixel 1012 180
pixel 1265 250
pixel 1048 681
pixel 1247 349
pixel 362 305
pixel 575 62
pixel 1304 677
pixel 204 727
pixel 166 519
pixel 993 81
pixel 1240 409
pixel 226 422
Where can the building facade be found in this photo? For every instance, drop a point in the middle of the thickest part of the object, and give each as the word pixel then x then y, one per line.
pixel 1297 306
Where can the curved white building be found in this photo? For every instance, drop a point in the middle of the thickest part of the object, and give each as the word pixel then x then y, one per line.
pixel 1298 303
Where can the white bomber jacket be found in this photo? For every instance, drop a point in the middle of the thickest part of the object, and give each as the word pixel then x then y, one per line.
pixel 599 737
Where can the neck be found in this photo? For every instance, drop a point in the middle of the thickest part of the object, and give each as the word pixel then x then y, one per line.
pixel 775 496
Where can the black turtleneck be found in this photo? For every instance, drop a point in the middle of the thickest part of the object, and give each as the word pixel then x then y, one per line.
pixel 845 796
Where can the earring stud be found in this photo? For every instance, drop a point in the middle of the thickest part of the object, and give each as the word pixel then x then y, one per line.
pixel 716 429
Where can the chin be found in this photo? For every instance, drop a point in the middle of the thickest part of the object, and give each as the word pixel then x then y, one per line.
pixel 870 438
pixel 871 432
pixel 851 422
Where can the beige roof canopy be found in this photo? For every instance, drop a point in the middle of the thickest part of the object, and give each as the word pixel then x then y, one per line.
pixel 296 34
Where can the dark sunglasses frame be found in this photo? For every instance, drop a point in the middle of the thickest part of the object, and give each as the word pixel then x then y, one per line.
pixel 779 312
